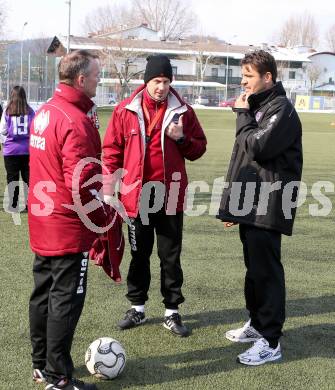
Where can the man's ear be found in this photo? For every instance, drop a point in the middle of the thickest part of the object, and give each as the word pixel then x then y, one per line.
pixel 81 81
pixel 268 77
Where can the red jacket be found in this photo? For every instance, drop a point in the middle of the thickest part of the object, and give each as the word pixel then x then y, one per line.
pixel 62 134
pixel 107 250
pixel 124 147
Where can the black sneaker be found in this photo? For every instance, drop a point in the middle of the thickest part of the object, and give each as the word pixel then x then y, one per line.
pixel 173 324
pixel 133 318
pixel 70 384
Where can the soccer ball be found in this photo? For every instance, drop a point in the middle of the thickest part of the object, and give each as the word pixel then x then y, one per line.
pixel 105 358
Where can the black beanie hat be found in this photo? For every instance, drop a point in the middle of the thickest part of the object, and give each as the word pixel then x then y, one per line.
pixel 158 66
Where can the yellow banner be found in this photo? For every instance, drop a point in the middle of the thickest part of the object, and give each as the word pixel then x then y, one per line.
pixel 302 102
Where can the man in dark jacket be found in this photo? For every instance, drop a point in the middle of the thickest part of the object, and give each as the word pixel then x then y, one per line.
pixel 63 210
pixel 263 180
pixel 149 136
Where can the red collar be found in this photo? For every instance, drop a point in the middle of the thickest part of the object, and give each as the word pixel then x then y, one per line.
pixel 74 96
pixel 151 103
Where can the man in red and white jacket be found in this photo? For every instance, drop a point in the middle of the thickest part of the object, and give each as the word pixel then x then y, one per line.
pixel 149 136
pixel 64 212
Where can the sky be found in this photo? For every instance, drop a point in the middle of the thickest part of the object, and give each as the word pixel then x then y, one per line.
pixel 237 21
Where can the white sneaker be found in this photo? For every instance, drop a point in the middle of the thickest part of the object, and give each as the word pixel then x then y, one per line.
pixel 246 334
pixel 38 376
pixel 260 353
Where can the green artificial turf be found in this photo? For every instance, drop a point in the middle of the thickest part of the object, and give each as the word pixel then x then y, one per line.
pixel 213 287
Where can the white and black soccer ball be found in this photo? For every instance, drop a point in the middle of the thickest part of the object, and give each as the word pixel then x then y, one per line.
pixel 105 358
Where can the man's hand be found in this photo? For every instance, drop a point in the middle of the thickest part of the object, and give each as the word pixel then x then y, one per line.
pixel 175 130
pixel 242 101
pixel 229 224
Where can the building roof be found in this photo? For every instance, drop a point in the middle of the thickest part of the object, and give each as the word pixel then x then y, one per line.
pixel 322 53
pixel 213 48
pixel 325 87
pixel 115 32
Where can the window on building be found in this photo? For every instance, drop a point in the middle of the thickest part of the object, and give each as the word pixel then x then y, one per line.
pixel 291 75
pixel 215 72
pixel 230 73
pixel 295 64
pixel 174 70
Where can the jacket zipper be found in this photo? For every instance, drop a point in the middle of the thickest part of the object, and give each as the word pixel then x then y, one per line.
pixel 143 157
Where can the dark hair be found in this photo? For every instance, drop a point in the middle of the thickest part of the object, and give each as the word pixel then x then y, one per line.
pixel 17 105
pixel 262 61
pixel 74 64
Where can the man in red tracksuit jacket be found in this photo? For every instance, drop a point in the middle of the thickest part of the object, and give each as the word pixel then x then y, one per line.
pixel 149 136
pixel 61 221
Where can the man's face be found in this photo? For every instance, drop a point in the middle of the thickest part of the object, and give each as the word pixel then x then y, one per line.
pixel 158 88
pixel 91 80
pixel 253 82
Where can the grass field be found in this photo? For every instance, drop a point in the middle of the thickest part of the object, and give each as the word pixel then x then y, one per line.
pixel 214 273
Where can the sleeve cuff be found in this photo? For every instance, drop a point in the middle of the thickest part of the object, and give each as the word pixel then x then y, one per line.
pixel 240 109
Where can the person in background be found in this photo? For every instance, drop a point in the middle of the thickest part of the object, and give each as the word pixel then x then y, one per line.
pixel 150 135
pixel 14 131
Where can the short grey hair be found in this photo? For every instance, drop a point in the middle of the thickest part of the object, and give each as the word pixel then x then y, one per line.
pixel 74 64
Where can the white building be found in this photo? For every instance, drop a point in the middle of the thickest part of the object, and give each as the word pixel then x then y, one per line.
pixel 138 32
pixel 126 50
pixel 325 64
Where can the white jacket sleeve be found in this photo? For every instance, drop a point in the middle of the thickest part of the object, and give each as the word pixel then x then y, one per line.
pixel 3 128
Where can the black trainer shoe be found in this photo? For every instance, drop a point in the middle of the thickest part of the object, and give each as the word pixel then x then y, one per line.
pixel 173 324
pixel 38 376
pixel 133 318
pixel 70 384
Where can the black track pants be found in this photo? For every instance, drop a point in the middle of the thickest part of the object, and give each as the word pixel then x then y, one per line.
pixel 55 306
pixel 264 280
pixel 168 230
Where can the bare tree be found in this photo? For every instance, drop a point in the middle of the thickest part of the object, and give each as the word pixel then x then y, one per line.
pixel 313 73
pixel 299 30
pixel 3 14
pixel 330 36
pixel 289 34
pixel 121 62
pixel 173 18
pixel 201 58
pixel 202 61
pixel 108 18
